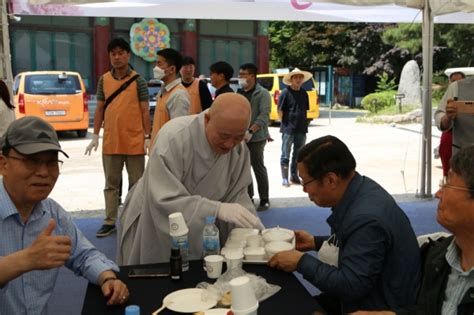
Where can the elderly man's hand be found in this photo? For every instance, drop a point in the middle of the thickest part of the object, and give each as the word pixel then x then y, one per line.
pixel 94 144
pixel 239 215
pixel 286 260
pixel 451 110
pixel 48 251
pixel 304 241
pixel 116 291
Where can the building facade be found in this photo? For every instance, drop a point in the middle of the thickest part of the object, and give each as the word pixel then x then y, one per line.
pixel 80 44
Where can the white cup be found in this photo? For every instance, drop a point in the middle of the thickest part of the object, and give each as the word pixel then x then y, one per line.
pixel 178 226
pixel 234 260
pixel 214 265
pixel 254 241
pixel 243 296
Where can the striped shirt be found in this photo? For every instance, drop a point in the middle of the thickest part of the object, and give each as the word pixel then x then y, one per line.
pixel 459 281
pixel 29 293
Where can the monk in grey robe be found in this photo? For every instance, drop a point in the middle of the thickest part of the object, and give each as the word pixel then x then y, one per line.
pixel 198 166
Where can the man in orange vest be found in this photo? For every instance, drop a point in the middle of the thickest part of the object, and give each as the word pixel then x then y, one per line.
pixel 122 107
pixel 200 96
pixel 173 100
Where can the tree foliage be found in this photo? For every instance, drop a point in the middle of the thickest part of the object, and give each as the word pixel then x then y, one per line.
pixel 367 48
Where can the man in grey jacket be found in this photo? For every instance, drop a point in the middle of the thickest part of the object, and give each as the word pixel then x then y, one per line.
pixel 256 138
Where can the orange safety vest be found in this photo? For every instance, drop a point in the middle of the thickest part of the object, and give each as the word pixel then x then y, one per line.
pixel 162 116
pixel 193 91
pixel 123 123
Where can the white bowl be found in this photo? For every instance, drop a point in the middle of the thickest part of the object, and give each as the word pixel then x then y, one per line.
pixel 232 243
pixel 275 247
pixel 244 231
pixel 227 250
pixel 254 253
pixel 278 234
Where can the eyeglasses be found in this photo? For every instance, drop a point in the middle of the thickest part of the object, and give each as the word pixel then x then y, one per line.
pixel 34 164
pixel 443 183
pixel 307 183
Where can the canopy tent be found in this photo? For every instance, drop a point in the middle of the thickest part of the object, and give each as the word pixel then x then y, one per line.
pixel 377 11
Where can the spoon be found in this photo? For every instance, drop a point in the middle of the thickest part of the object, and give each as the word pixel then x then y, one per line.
pixel 163 306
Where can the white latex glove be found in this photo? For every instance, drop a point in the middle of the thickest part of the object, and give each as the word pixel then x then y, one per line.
pixel 240 216
pixel 147 146
pixel 93 145
pixel 248 136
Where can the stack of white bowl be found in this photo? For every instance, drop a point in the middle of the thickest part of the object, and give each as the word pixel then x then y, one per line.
pixel 258 247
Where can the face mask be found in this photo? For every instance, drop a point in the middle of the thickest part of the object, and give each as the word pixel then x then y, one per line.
pixel 329 252
pixel 158 73
pixel 243 83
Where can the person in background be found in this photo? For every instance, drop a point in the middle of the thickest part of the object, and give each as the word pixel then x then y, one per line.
pixel 293 103
pixel 38 235
pixel 198 92
pixel 221 73
pixel 200 167
pixel 372 260
pixel 446 141
pixel 173 99
pixel 257 136
pixel 126 122
pixel 447 116
pixel 7 114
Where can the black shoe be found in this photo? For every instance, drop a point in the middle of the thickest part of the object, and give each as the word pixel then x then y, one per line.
pixel 264 205
pixel 105 230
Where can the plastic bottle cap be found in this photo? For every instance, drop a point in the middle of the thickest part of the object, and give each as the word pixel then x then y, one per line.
pixel 210 219
pixel 175 252
pixel 132 310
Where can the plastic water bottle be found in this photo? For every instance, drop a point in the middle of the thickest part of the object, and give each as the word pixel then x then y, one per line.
pixel 210 238
pixel 132 310
pixel 181 242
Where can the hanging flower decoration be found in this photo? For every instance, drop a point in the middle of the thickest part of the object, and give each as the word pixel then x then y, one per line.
pixel 147 37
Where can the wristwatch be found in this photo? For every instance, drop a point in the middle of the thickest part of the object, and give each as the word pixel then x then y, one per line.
pixel 147 136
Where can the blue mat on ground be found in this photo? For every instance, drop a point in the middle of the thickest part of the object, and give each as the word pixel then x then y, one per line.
pixel 70 289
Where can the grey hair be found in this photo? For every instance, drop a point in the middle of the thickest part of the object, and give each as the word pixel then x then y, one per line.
pixel 463 165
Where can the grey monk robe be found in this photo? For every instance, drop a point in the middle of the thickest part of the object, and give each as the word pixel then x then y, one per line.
pixel 183 174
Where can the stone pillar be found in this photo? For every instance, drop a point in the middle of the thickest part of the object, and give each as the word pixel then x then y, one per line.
pixel 263 47
pixel 189 40
pixel 101 40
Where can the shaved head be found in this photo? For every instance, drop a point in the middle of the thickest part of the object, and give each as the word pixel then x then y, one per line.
pixel 231 107
pixel 227 121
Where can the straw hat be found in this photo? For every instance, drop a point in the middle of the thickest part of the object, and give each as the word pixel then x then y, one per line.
pixel 287 78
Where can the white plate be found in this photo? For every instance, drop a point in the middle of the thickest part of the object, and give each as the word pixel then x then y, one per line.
pixel 188 301
pixel 217 311
pixel 55 113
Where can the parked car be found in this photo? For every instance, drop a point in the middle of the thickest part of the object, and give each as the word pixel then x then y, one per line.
pixel 273 82
pixel 154 87
pixel 58 97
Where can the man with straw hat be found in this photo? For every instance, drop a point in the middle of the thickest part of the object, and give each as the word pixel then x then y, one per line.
pixel 293 103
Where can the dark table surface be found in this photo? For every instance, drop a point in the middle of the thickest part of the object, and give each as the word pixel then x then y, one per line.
pixel 148 293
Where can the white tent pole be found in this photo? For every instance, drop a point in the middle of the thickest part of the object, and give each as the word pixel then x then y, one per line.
pixel 425 183
pixel 5 62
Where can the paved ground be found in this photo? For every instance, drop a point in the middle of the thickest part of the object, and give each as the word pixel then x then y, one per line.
pixel 388 154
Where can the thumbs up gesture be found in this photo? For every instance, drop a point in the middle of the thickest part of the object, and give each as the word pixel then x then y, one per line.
pixel 48 251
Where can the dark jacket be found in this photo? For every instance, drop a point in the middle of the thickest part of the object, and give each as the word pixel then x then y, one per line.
pixel 435 277
pixel 379 258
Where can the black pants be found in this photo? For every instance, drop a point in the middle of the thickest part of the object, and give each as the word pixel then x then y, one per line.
pixel 256 159
pixel 331 305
